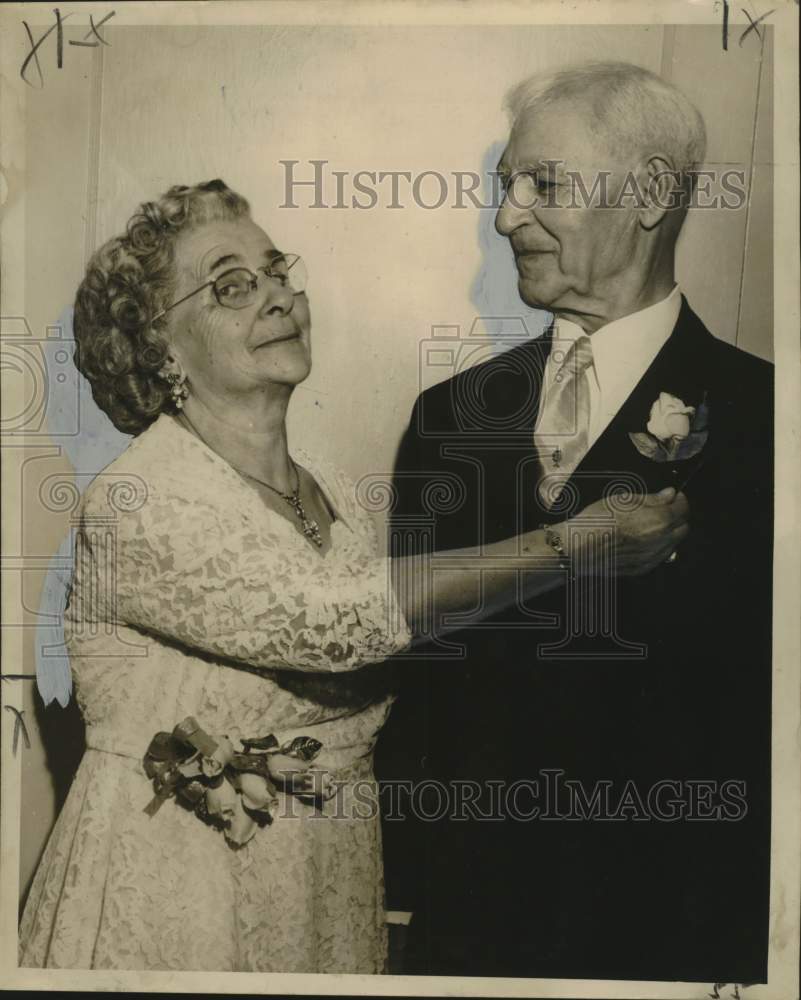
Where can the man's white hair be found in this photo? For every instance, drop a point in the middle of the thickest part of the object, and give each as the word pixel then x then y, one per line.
pixel 635 110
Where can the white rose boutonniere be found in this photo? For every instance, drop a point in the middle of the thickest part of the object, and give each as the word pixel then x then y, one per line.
pixel 674 431
pixel 670 418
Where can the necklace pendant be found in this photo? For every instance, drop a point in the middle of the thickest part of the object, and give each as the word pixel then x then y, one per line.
pixel 312 530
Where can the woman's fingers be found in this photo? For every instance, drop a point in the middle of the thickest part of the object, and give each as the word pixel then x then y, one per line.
pixel 681 531
pixel 680 509
pixel 645 536
pixel 664 496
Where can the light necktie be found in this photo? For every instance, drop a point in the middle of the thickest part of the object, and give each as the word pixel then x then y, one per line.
pixel 562 436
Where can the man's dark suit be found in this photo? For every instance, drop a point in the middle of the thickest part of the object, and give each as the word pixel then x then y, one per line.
pixel 637 898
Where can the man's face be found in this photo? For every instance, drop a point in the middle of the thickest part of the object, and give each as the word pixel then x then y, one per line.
pixel 569 259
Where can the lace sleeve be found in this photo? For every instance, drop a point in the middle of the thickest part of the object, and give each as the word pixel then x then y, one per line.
pixel 182 570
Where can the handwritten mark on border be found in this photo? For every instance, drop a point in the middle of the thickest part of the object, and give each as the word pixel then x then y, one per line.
pixel 58 27
pixel 753 25
pixel 19 727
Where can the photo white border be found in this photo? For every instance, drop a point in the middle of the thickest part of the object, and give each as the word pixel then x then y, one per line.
pixel 786 766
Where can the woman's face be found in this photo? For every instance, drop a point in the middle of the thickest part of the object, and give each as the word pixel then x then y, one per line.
pixel 228 351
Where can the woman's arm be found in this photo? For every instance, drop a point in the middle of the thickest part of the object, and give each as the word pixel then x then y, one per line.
pixel 497 575
pixel 193 574
pixel 187 572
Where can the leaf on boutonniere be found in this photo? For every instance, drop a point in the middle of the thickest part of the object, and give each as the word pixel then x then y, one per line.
pixel 691 445
pixel 701 417
pixel 649 446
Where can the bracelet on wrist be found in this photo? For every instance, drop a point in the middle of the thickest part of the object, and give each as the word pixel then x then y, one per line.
pixel 554 540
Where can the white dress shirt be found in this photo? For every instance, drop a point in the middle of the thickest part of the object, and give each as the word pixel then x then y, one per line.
pixel 622 352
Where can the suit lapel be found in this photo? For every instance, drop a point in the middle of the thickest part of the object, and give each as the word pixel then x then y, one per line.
pixel 528 467
pixel 681 369
pixel 531 361
pixel 509 393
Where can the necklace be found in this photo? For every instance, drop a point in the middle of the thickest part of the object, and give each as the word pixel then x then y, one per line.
pixel 310 528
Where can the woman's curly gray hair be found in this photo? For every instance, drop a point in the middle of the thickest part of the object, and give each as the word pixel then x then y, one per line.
pixel 129 280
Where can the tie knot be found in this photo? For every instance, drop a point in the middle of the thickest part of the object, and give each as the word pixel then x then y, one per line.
pixel 578 357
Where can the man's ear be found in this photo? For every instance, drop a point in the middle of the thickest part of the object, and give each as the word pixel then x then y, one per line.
pixel 661 191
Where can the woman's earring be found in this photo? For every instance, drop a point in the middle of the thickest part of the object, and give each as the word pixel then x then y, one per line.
pixel 176 378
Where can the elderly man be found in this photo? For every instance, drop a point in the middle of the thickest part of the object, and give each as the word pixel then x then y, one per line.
pixel 616 756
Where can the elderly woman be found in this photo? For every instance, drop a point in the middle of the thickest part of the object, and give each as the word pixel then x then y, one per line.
pixel 227 604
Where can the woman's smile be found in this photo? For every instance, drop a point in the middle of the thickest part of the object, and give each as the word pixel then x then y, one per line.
pixel 280 338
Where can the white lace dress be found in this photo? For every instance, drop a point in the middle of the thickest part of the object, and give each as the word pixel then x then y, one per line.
pixel 191 597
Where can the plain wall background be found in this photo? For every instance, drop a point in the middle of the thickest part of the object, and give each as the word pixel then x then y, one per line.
pixel 160 106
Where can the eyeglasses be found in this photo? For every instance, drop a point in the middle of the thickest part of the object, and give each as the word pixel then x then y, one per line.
pixel 237 287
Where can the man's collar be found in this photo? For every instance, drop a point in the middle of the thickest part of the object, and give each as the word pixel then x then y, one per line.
pixel 623 349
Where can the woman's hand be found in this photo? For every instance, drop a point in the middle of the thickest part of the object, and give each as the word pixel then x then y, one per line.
pixel 646 534
pixel 648 529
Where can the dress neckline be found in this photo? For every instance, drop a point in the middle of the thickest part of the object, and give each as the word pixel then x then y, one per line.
pixel 306 462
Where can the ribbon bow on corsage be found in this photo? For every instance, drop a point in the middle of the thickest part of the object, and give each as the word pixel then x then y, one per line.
pixel 236 791
pixel 674 431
